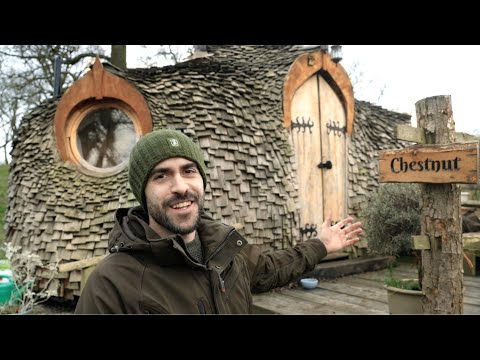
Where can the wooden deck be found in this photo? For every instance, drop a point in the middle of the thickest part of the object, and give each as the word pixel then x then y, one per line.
pixel 355 294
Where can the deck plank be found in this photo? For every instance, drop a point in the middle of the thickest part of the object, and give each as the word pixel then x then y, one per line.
pixel 371 293
pixel 362 293
pixel 338 305
pixel 281 304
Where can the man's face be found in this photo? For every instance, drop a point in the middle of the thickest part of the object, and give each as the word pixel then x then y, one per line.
pixel 175 196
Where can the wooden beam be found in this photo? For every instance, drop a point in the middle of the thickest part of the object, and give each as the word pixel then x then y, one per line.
pixel 471 241
pixel 80 264
pixel 410 133
pixel 417 135
pixel 434 164
pixel 420 242
pixel 471 203
pixel 464 137
pixel 85 274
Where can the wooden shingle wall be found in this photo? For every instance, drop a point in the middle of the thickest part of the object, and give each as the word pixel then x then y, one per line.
pixel 53 210
pixel 231 104
pixel 373 130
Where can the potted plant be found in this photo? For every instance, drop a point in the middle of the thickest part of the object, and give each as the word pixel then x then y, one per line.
pixel 390 219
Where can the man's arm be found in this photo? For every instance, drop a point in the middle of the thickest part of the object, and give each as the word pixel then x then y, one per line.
pixel 268 271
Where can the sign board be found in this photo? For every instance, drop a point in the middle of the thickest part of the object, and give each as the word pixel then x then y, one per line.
pixel 436 164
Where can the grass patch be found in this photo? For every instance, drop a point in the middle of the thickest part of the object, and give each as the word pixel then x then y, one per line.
pixel 3 204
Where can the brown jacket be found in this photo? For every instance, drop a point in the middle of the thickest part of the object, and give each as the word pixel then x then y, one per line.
pixel 149 274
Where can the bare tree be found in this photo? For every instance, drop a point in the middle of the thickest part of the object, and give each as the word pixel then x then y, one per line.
pixel 166 55
pixel 9 111
pixel 27 79
pixel 362 84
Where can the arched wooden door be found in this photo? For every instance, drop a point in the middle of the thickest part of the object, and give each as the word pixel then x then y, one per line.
pixel 318 131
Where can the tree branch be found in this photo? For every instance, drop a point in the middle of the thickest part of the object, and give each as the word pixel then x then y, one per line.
pixel 79 57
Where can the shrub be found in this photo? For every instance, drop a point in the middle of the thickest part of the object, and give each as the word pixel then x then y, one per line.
pixel 391 218
pixel 27 292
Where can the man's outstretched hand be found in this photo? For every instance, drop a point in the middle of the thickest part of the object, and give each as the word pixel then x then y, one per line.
pixel 340 235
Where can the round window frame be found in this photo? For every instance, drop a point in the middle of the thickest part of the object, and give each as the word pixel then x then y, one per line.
pixel 74 122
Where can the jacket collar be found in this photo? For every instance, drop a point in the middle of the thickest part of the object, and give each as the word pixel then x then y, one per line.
pixel 132 233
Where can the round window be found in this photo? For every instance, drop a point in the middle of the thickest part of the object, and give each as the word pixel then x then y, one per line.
pixel 103 139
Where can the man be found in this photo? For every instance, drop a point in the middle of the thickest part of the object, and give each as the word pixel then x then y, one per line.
pixel 170 257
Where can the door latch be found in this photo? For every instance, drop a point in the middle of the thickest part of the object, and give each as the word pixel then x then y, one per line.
pixel 326 165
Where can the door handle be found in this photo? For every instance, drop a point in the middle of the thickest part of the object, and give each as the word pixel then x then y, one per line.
pixel 326 165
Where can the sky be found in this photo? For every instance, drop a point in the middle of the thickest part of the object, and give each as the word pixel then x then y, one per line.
pixel 409 73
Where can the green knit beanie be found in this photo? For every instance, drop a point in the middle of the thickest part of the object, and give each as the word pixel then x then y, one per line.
pixel 157 146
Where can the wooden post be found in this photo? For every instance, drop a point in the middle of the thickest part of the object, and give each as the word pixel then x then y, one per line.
pixel 441 269
pixel 118 56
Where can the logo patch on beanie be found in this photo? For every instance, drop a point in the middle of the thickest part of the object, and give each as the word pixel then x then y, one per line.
pixel 173 142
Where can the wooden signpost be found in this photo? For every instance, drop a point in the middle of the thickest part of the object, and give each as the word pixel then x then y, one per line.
pixel 433 164
pixel 438 164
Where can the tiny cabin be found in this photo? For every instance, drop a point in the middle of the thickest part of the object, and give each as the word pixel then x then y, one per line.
pixel 285 144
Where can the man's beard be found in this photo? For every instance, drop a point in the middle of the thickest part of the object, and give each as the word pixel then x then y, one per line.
pixel 159 214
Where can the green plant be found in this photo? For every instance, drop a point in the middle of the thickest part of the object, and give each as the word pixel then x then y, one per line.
pixel 390 219
pixel 411 284
pixel 27 292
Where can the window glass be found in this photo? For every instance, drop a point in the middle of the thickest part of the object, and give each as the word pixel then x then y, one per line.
pixel 105 137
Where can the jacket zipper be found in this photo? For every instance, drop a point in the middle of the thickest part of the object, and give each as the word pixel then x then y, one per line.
pixel 222 283
pixel 220 247
pixel 220 280
pixel 229 274
pixel 201 306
